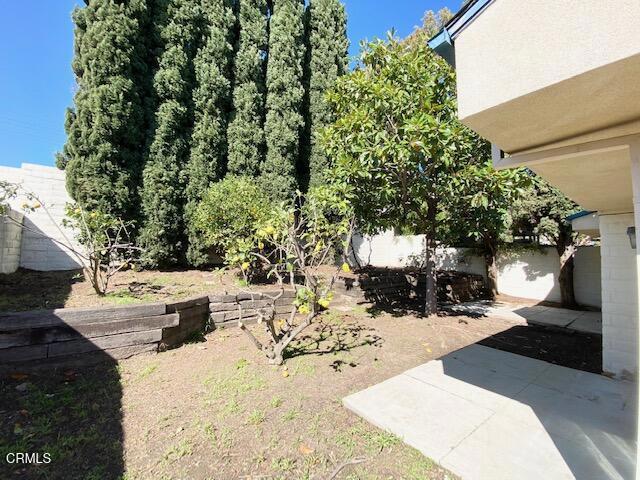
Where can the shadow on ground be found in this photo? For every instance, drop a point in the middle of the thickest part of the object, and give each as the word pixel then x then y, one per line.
pixel 331 337
pixel 72 414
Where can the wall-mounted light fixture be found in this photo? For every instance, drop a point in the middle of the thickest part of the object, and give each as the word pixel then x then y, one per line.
pixel 631 233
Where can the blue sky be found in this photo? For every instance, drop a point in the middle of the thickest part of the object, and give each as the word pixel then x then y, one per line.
pixel 36 82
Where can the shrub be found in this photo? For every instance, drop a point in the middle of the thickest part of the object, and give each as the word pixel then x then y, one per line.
pixel 230 216
pixel 300 237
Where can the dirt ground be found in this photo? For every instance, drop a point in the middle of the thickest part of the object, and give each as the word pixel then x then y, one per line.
pixel 31 290
pixel 217 410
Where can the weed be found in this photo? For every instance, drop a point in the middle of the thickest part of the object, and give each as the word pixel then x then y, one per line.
pixel 181 449
pixel 256 417
pixel 275 402
pixel 291 415
pixel 148 370
pixel 283 464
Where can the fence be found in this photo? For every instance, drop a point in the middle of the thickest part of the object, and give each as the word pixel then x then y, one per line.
pixel 524 273
pixel 39 249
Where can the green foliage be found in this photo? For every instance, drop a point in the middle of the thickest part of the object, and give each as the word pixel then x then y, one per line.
pixel 477 207
pixel 285 92
pixel 396 138
pixel 107 126
pixel 163 194
pixel 106 242
pixel 246 133
pixel 304 234
pixel 327 59
pixel 432 23
pixel 230 216
pixel 542 212
pixel 212 102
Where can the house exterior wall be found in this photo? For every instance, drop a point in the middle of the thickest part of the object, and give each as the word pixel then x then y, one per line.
pixel 521 83
pixel 10 240
pixel 38 250
pixel 526 273
pixel 619 296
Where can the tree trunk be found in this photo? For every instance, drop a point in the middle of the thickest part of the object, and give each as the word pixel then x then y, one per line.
pixel 492 273
pixel 431 298
pixel 565 279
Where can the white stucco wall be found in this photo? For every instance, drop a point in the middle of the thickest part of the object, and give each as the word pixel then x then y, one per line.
pixel 526 273
pixel 523 83
pixel 619 296
pixel 38 250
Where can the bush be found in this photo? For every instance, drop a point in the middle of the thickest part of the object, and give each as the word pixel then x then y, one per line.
pixel 230 215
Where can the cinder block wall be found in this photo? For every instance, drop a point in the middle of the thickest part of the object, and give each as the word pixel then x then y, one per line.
pixel 10 240
pixel 529 274
pixel 39 249
pixel 619 296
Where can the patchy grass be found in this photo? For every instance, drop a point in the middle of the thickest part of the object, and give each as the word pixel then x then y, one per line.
pixel 222 411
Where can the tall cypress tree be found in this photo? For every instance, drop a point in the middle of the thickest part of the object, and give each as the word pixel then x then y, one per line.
pixel 285 94
pixel 163 193
pixel 327 58
pixel 212 103
pixel 107 125
pixel 246 128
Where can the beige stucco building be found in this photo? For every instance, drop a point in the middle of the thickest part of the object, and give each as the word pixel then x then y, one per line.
pixel 555 86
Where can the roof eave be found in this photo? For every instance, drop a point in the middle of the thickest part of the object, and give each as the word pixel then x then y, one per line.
pixel 444 41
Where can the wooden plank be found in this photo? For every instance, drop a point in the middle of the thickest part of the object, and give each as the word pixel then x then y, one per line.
pixel 187 303
pixel 23 354
pixel 94 330
pixel 76 316
pixel 41 336
pixel 223 307
pixel 225 298
pixel 103 343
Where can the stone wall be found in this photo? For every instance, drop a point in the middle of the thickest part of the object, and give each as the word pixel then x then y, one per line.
pixel 10 241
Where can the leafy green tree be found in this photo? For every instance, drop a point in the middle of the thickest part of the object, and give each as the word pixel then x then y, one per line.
pixel 246 128
pixel 107 126
pixel 229 217
pixel 432 23
pixel 542 212
pixel 327 59
pixel 285 92
pixel 477 209
pixel 396 140
pixel 163 194
pixel 212 103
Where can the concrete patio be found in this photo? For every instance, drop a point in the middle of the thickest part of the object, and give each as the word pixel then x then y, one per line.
pixel 487 414
pixel 562 318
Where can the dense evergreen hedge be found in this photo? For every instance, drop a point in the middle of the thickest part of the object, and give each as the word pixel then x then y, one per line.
pixel 173 94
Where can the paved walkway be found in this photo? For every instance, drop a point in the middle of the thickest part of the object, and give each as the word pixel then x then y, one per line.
pixel 487 414
pixel 578 320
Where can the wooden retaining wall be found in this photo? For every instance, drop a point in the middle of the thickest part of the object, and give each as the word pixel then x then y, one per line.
pixel 386 285
pixel 55 336
pixel 225 309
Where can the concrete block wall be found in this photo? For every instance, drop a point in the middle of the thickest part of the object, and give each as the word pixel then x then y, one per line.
pixel 526 273
pixel 39 250
pixel 10 241
pixel 619 297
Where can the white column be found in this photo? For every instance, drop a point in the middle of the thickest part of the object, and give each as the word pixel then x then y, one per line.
pixel 635 180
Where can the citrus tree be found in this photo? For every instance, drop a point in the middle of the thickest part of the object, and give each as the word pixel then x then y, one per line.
pixel 300 237
pixel 104 240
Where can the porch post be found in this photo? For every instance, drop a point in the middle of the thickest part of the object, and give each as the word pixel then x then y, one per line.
pixel 634 150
